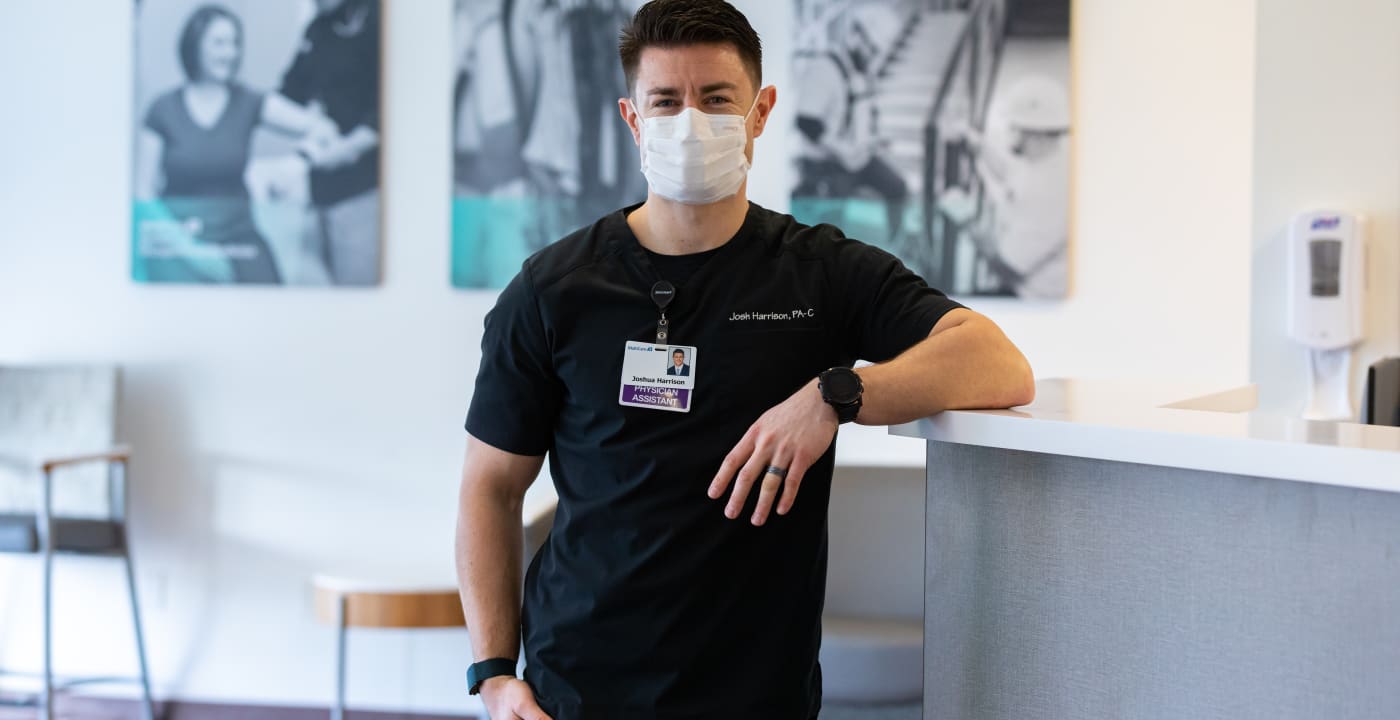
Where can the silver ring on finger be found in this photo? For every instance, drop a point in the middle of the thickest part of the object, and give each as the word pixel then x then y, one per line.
pixel 775 470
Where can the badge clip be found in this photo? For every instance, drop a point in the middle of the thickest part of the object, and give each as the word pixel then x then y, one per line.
pixel 662 293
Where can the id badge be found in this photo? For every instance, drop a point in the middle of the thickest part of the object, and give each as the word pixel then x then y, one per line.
pixel 657 377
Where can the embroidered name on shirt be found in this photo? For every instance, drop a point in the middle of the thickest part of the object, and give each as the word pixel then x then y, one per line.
pixel 800 314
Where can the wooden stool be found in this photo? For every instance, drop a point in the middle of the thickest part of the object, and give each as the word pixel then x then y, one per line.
pixel 346 602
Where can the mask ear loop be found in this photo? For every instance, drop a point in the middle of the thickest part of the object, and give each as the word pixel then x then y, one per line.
pixel 641 141
pixel 755 102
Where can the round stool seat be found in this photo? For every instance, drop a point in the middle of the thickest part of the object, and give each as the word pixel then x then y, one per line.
pixel 388 602
pixel 872 661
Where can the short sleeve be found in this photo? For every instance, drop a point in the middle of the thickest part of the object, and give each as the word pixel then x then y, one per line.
pixel 885 307
pixel 248 108
pixel 517 394
pixel 296 82
pixel 157 118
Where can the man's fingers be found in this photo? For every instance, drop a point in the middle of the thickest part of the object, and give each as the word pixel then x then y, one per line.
pixel 732 462
pixel 799 467
pixel 748 475
pixel 769 486
pixel 528 709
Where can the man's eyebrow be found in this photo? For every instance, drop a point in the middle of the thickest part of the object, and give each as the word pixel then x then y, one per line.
pixel 704 90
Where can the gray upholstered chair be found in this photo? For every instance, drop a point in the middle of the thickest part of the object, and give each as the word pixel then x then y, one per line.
pixel 63 485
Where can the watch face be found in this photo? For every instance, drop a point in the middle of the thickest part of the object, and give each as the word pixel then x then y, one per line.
pixel 841 386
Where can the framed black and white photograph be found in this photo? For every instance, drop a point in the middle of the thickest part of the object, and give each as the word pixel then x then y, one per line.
pixel 539 149
pixel 257 142
pixel 940 131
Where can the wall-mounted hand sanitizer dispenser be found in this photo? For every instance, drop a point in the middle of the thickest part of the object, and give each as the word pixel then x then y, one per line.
pixel 1327 278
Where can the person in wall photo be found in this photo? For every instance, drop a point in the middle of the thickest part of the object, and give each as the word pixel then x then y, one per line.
pixel 1023 229
pixel 843 150
pixel 685 571
pixel 336 71
pixel 192 153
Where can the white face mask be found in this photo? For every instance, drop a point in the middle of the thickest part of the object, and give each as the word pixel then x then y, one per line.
pixel 694 157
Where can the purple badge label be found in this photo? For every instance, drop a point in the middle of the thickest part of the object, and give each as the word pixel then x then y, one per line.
pixel 661 398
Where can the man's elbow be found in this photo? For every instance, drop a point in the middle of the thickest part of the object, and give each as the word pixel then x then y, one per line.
pixel 1020 383
pixel 1014 385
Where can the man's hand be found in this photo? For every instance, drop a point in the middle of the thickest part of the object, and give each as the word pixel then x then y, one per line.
pixel 330 153
pixel 791 436
pixel 510 698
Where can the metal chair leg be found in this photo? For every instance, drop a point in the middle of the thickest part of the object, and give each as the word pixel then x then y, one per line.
pixel 147 707
pixel 338 709
pixel 46 528
pixel 48 637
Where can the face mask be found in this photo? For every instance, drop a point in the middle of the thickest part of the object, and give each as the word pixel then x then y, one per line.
pixel 694 157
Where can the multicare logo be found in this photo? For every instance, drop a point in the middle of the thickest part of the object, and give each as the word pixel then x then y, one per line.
pixel 1326 223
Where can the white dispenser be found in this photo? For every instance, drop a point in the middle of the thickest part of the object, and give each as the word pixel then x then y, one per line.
pixel 1326 289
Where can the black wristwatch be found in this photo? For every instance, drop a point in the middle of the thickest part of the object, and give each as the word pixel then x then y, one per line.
pixel 480 672
pixel 841 388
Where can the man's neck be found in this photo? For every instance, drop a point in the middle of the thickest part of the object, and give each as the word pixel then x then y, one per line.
pixel 667 227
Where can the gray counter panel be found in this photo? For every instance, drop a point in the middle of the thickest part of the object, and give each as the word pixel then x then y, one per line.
pixel 1063 587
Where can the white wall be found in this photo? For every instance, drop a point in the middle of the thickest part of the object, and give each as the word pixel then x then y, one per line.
pixel 1163 118
pixel 1327 136
pixel 282 432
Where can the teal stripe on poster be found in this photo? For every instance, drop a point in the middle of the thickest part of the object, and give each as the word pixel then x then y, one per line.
pixel 860 218
pixel 492 236
pixel 222 240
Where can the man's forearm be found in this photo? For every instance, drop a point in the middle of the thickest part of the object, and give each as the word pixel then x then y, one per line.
pixel 968 364
pixel 489 548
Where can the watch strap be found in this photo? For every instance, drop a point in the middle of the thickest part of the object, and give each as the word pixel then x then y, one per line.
pixel 479 673
pixel 848 412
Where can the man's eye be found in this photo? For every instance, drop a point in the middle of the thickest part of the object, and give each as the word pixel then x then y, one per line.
pixel 664 103
pixel 717 100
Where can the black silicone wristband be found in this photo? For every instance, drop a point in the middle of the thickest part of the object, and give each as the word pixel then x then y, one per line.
pixel 480 672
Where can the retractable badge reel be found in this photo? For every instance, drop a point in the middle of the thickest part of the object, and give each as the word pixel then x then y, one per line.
pixel 662 293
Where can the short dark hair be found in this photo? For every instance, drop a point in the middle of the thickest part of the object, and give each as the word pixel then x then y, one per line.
pixel 678 351
pixel 673 23
pixel 193 34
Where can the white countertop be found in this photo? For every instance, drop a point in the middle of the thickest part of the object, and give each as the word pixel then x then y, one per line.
pixel 1177 426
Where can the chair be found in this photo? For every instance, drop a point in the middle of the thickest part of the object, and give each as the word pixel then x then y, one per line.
pixel 63 486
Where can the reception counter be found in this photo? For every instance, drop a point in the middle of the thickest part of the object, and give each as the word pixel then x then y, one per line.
pixel 1125 551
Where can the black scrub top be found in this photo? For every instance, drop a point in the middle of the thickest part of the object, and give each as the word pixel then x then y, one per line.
pixel 645 602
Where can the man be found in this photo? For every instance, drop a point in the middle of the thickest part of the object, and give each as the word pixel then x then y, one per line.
pixel 678 366
pixel 649 599
pixel 337 70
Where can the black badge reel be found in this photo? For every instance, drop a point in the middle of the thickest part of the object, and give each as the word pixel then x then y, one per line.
pixel 662 293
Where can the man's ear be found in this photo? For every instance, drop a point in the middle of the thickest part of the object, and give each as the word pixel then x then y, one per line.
pixel 767 98
pixel 629 116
